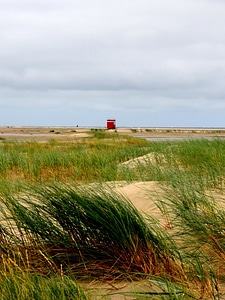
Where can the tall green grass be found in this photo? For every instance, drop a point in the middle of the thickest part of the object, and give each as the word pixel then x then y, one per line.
pixel 19 284
pixel 51 226
pixel 88 232
pixel 84 160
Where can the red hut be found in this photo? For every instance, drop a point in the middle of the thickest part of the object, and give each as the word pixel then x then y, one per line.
pixel 111 124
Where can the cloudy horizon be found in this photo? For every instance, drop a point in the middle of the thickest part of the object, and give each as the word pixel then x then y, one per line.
pixel 146 63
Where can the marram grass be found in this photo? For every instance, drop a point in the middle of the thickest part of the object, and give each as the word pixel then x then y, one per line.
pixel 58 231
pixel 84 160
pixel 19 284
pixel 89 232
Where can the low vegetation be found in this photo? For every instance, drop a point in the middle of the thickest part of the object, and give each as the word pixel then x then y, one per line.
pixel 63 226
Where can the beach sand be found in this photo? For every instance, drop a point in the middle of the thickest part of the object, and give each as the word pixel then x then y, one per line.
pixel 46 133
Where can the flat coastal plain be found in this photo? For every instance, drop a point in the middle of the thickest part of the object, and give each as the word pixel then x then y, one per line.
pixel 69 133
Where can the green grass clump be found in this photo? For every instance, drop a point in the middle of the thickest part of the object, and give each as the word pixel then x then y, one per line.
pixel 19 284
pixel 203 159
pixel 84 160
pixel 90 233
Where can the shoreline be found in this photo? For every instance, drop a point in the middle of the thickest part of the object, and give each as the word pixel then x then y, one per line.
pixel 46 133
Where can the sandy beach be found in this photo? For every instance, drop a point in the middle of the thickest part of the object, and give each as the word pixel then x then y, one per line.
pixel 69 133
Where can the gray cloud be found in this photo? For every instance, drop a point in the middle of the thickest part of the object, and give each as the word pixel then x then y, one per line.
pixel 119 57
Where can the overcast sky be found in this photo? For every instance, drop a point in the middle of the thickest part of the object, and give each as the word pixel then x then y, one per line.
pixel 146 63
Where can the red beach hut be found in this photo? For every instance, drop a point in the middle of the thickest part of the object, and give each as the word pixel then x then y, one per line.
pixel 111 124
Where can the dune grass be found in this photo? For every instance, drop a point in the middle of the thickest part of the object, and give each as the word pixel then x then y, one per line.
pixel 84 160
pixel 89 232
pixel 60 221
pixel 19 284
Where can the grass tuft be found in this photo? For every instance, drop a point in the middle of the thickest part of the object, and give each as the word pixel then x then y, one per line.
pixel 90 233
